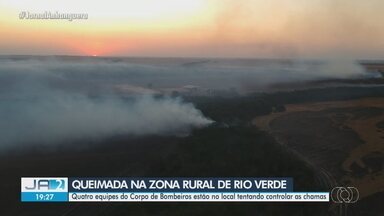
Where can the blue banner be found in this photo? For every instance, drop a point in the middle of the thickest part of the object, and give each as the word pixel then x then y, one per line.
pixel 180 184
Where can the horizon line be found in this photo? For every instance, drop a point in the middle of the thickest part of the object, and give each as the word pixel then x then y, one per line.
pixel 180 57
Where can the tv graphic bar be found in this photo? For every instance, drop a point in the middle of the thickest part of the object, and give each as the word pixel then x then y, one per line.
pixel 64 189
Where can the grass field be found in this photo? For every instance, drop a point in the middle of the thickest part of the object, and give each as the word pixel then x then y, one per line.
pixel 344 137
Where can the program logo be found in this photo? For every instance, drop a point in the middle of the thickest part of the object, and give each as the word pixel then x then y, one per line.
pixel 44 184
pixel 345 195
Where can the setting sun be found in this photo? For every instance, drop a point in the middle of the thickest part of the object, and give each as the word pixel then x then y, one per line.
pixel 249 28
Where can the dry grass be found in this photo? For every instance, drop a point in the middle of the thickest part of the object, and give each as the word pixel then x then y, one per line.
pixel 365 128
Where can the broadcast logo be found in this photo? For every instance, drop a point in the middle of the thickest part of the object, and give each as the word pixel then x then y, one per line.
pixel 345 195
pixel 44 189
pixel 48 184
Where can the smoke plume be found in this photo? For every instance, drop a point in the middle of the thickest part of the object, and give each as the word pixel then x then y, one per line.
pixel 38 106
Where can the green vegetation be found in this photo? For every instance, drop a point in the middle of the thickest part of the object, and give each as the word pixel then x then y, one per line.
pixel 228 152
pixel 232 110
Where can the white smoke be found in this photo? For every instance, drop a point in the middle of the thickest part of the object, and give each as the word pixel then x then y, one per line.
pixel 32 111
pixel 47 99
pixel 104 74
pixel 56 117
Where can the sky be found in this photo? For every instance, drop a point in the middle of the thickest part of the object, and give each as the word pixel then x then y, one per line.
pixel 196 28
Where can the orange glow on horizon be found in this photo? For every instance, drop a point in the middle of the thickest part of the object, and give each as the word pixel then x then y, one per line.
pixel 238 28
